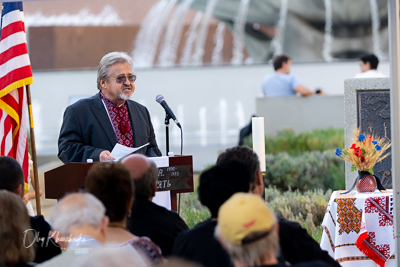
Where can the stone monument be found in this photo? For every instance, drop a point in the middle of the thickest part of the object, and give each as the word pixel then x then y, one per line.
pixel 367 105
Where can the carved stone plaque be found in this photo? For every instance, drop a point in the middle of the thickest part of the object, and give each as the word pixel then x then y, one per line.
pixel 374 118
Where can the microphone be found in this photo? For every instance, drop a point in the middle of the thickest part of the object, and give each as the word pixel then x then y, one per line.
pixel 160 99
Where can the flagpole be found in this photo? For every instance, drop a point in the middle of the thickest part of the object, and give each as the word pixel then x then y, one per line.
pixel 33 147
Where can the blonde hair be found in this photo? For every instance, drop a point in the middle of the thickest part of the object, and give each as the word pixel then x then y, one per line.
pixel 16 235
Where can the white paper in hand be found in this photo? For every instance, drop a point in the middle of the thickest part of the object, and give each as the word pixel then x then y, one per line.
pixel 119 151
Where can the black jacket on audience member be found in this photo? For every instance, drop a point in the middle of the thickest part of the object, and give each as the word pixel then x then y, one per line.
pixel 298 246
pixel 44 247
pixel 199 245
pixel 159 224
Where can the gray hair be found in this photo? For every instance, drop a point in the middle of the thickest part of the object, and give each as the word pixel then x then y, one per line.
pixel 252 253
pixel 110 256
pixel 75 210
pixel 107 61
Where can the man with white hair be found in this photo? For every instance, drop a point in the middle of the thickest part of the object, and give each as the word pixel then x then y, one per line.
pixel 248 230
pixel 93 126
pixel 80 225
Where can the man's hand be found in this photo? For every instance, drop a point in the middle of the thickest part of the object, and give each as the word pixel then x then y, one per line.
pixel 105 155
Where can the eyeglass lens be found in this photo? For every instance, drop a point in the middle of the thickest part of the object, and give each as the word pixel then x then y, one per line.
pixel 122 79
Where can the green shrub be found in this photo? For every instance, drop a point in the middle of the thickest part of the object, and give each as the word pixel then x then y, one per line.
pixel 296 144
pixel 311 170
pixel 307 208
pixel 191 210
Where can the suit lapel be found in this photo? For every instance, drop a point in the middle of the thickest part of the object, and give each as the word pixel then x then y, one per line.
pixel 101 115
pixel 134 124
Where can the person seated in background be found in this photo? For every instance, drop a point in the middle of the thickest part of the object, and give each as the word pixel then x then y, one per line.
pixel 16 246
pixel 369 65
pixel 248 231
pixel 147 218
pixel 216 185
pixel 80 226
pixel 282 83
pixel 12 179
pixel 296 245
pixel 111 183
pixel 30 194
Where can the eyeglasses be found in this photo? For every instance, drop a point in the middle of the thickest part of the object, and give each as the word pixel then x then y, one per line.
pixel 122 78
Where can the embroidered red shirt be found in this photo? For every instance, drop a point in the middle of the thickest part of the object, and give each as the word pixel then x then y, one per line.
pixel 120 121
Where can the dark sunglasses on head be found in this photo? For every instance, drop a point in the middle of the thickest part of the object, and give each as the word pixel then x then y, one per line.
pixel 122 78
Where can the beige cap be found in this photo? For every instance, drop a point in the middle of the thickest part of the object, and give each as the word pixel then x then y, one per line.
pixel 243 214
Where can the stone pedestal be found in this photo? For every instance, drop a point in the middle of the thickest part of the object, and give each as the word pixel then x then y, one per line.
pixel 367 105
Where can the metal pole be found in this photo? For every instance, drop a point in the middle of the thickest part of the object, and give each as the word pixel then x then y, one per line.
pixel 167 134
pixel 33 146
pixel 394 50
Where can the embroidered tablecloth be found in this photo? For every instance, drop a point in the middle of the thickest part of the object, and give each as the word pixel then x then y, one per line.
pixel 342 226
pixel 377 235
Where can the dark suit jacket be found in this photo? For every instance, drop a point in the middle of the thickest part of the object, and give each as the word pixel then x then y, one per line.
pixel 87 131
pixel 159 224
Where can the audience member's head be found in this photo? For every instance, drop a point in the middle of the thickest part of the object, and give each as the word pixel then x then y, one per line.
pixel 144 174
pixel 368 62
pixel 110 256
pixel 12 176
pixel 79 214
pixel 248 156
pixel 111 183
pixel 16 246
pixel 221 181
pixel 279 61
pixel 248 230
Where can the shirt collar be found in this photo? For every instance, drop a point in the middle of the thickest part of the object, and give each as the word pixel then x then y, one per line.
pixel 109 101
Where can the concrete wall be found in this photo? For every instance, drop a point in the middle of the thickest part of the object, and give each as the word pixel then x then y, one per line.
pixel 300 113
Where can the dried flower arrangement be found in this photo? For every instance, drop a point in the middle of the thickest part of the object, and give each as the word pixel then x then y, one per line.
pixel 364 153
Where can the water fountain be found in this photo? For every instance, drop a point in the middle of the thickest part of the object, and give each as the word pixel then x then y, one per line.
pixel 216 58
pixel 326 52
pixel 146 43
pixel 191 37
pixel 277 42
pixel 172 36
pixel 203 126
pixel 197 57
pixel 238 33
pixel 375 29
pixel 222 121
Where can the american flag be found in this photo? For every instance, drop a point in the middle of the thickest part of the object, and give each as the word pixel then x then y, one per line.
pixel 15 72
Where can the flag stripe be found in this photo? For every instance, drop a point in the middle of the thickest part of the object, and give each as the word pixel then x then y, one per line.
pixel 13 85
pixel 12 64
pixel 11 112
pixel 10 41
pixel 17 26
pixel 10 16
pixel 18 49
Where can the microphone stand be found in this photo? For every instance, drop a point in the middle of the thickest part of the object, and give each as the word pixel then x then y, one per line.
pixel 166 122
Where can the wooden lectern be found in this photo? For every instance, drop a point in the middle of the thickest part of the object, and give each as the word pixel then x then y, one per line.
pixel 177 177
